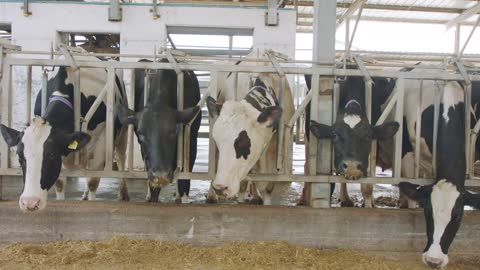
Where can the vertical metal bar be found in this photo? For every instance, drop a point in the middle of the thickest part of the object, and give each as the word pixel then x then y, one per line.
pixel 29 95
pixel 418 129
pixel 109 132
pixel 44 91
pixel 146 88
pixel 131 106
pixel 281 126
pixel 6 100
pixel 399 118
pixel 235 85
pixel 212 150
pixel 468 101
pixel 456 47
pixel 76 106
pixel 313 142
pixel 368 109
pixel 347 40
pixel 436 115
pixel 180 97
pixel 473 139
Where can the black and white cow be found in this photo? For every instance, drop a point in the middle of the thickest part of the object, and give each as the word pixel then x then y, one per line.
pixel 244 132
pixel 49 139
pixel 157 127
pixel 352 134
pixel 445 199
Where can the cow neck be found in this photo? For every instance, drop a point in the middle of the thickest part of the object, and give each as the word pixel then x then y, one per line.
pixel 59 112
pixel 451 146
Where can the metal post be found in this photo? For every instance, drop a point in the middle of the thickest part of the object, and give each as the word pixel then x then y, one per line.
pixel 44 91
pixel 146 88
pixel 281 126
pixel 180 97
pixel 321 107
pixel 76 107
pixel 235 85
pixel 6 116
pixel 418 129
pixel 131 106
pixel 436 115
pixel 109 133
pixel 212 149
pixel 29 95
pixel 399 118
pixel 468 102
pixel 456 49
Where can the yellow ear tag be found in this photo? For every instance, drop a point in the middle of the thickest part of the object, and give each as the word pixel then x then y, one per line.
pixel 73 145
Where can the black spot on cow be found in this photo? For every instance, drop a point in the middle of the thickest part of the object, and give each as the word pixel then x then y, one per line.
pixel 242 145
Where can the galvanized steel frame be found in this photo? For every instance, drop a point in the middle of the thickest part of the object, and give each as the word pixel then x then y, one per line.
pixel 285 174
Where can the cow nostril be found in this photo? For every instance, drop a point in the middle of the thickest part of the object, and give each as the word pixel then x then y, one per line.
pixel 345 166
pixel 434 264
pixel 360 167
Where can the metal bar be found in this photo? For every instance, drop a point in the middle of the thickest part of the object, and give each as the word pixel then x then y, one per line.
pixel 235 86
pixel 212 149
pixel 464 16
pixel 6 101
pixel 300 109
pixel 44 91
pixel 98 101
pixel 26 10
pixel 468 102
pixel 456 48
pixel 281 127
pixel 146 89
pixel 77 107
pixel 436 115
pixel 321 70
pixel 354 30
pixel 388 109
pixel 68 56
pixel 399 118
pixel 469 37
pixel 418 129
pixel 180 104
pixel 356 5
pixel 131 106
pixel 155 12
pixel 28 112
pixel 109 132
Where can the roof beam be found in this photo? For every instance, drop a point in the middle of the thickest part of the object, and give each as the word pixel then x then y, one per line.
pixel 385 7
pixel 464 16
pixel 349 12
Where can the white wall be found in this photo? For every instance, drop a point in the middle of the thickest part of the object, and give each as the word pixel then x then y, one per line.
pixel 139 32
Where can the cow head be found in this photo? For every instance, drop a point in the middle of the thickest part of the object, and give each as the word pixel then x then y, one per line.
pixel 40 148
pixel 241 133
pixel 443 207
pixel 352 135
pixel 157 131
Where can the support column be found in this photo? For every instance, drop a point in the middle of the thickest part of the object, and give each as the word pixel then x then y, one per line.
pixel 324 25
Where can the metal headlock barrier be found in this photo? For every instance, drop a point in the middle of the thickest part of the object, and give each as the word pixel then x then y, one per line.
pixel 272 63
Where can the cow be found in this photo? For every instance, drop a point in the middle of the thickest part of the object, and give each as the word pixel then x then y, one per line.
pixel 157 123
pixel 352 134
pixel 244 132
pixel 444 200
pixel 48 140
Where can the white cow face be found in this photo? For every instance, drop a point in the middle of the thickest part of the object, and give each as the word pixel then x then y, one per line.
pixel 40 149
pixel 241 133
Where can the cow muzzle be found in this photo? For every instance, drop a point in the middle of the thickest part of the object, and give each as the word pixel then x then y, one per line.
pixel 434 258
pixel 159 180
pixel 351 170
pixel 222 190
pixel 31 204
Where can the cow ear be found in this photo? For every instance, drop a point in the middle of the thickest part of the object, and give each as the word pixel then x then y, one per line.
pixel 415 192
pixel 213 107
pixel 385 130
pixel 270 116
pixel 125 115
pixel 75 142
pixel 188 114
pixel 11 136
pixel 471 199
pixel 320 131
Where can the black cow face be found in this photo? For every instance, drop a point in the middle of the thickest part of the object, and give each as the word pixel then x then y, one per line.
pixel 40 149
pixel 443 207
pixel 157 131
pixel 352 136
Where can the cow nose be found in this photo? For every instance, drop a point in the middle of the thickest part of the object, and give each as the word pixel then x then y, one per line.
pixel 352 170
pixel 434 262
pixel 220 189
pixel 29 203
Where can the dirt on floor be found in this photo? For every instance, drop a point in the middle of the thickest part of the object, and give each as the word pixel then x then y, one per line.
pixel 127 253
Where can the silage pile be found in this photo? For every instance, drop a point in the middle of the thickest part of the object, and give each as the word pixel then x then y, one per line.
pixel 126 253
